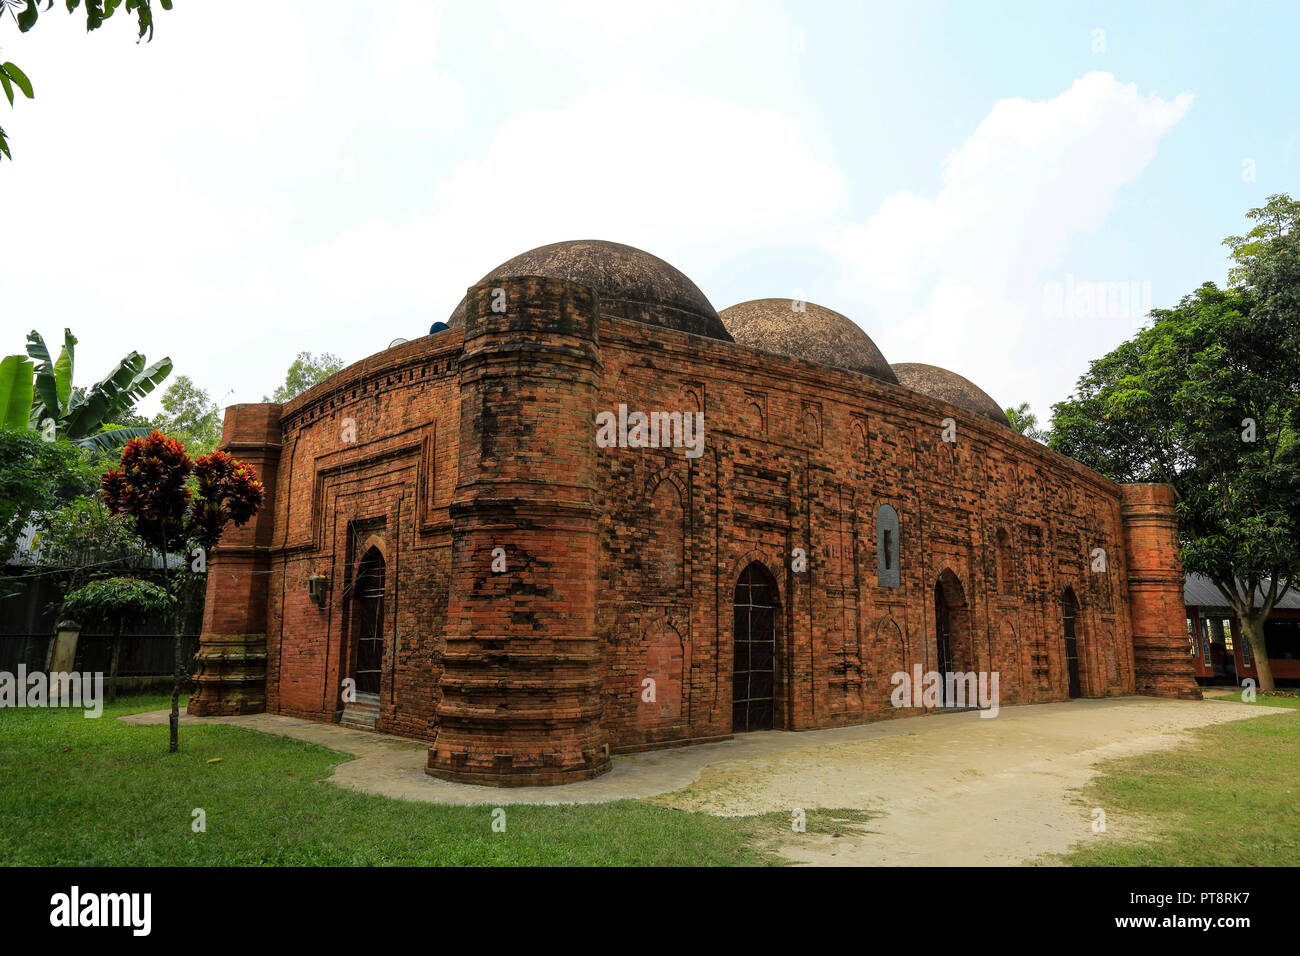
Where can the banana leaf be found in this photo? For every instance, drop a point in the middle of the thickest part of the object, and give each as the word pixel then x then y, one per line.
pixel 16 391
pixel 111 440
pixel 140 386
pixel 96 406
pixel 46 384
pixel 63 368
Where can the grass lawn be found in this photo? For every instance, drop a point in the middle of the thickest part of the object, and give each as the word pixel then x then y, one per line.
pixel 87 792
pixel 1229 798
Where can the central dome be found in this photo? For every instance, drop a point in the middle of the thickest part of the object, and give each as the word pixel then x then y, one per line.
pixel 805 330
pixel 632 284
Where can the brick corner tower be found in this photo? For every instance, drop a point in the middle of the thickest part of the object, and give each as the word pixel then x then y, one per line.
pixel 1162 665
pixel 230 666
pixel 521 702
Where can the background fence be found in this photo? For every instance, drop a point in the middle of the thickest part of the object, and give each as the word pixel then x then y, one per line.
pixel 142 655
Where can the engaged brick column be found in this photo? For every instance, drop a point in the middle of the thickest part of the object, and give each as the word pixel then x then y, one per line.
pixel 521 700
pixel 1162 664
pixel 230 676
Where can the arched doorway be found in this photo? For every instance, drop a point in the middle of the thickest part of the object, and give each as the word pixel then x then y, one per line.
pixel 368 626
pixel 753 675
pixel 1069 619
pixel 951 636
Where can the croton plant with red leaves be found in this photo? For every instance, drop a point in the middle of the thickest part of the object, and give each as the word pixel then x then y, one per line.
pixel 152 486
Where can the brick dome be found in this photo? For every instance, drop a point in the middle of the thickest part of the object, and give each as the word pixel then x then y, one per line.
pixel 951 388
pixel 632 284
pixel 814 333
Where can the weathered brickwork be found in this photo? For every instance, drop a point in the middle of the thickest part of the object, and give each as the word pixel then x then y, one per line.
pixel 451 454
pixel 782 471
pixel 1156 589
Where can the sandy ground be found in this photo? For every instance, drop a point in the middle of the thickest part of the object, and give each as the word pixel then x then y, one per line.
pixel 944 789
pixel 974 792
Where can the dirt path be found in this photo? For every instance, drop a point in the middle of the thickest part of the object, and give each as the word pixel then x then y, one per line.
pixel 960 790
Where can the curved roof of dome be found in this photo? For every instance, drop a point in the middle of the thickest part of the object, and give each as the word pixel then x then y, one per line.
pixel 951 388
pixel 631 284
pixel 815 334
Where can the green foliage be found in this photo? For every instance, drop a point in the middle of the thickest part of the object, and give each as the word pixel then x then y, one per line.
pixel 190 416
pixel 305 371
pixel 82 536
pixel 35 476
pixel 83 416
pixel 1024 421
pixel 26 12
pixel 117 601
pixel 1277 218
pixel 1207 398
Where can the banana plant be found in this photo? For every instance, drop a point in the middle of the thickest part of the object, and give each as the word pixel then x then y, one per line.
pixel 80 414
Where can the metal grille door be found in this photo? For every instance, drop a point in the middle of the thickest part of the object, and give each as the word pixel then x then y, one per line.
pixel 1069 609
pixel 754 674
pixel 943 642
pixel 370 629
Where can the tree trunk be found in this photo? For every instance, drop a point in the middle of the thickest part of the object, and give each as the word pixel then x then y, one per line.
pixel 175 720
pixel 1252 629
pixel 112 665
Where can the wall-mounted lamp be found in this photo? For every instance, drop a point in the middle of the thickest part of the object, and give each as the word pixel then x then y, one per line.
pixel 317 587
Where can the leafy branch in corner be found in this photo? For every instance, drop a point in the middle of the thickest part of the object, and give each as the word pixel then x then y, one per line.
pixel 26 12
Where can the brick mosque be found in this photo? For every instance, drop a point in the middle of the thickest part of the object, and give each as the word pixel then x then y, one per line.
pixel 447 552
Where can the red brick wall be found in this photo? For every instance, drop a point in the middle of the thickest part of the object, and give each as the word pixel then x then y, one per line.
pixel 799 455
pixel 624 561
pixel 368 457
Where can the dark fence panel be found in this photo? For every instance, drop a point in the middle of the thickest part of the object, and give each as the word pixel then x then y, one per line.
pixel 142 655
pixel 26 649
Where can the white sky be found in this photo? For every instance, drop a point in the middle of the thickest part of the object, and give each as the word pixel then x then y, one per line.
pixel 265 178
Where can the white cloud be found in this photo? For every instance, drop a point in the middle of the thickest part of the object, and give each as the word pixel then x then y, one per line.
pixel 967 266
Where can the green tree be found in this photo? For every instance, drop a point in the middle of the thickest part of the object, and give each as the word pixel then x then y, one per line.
pixel 26 12
pixel 35 477
pixel 81 539
pixel 190 416
pixel 1276 219
pixel 1207 398
pixel 1024 421
pixel 305 371
pixel 180 505
pixel 117 602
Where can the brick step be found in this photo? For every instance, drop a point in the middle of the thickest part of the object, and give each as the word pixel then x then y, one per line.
pixel 362 714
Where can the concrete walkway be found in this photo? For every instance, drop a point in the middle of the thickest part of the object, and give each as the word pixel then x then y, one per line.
pixel 843 767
